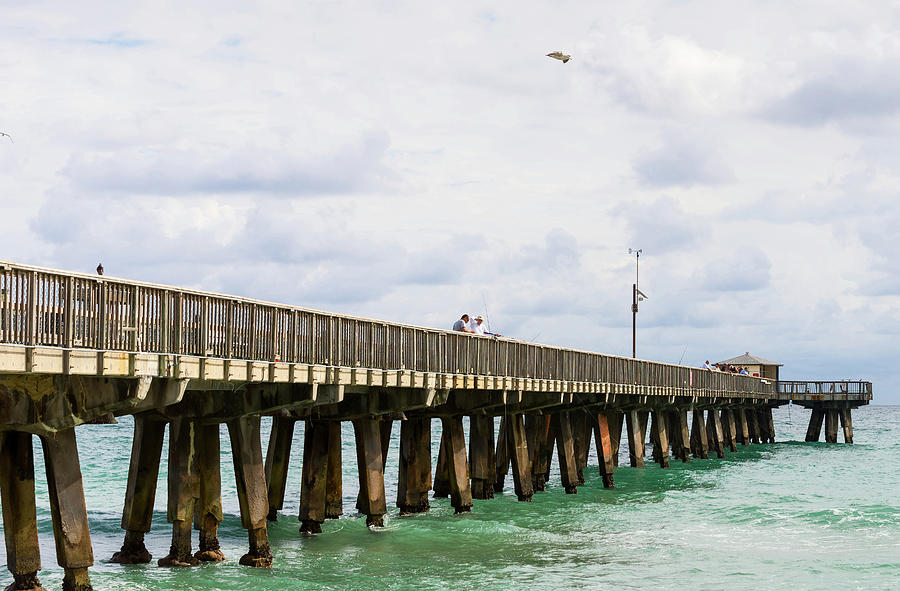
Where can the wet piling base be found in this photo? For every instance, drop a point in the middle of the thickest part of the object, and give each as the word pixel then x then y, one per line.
pixel 830 413
pixel 414 474
pixel 371 500
pixel 482 464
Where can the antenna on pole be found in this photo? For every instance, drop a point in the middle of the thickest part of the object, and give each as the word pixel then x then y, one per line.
pixel 636 296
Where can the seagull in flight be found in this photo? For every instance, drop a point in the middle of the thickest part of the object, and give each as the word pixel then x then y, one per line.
pixel 7 135
pixel 558 55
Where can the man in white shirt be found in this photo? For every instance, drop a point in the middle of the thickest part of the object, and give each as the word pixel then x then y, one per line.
pixel 477 327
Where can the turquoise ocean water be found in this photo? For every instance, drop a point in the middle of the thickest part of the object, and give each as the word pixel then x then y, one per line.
pixel 791 515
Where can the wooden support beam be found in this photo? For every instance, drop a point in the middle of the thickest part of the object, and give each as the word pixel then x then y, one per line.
pixel 831 425
pixel 521 461
pixel 140 493
pixel 565 446
pixel 414 475
pixel 681 436
pixel 208 507
pixel 67 508
pixel 605 454
pixel 502 454
pixel 23 555
pixel 457 466
pixel 334 476
pixel 659 437
pixel 482 464
pixel 278 459
pixel 250 480
pixel 715 433
pixel 699 441
pixel 815 423
pixel 371 471
pixel 847 423
pixel 182 490
pixel 635 439
pixel 615 420
pixel 313 485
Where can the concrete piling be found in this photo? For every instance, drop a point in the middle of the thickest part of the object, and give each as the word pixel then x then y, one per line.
pixel 831 425
pixel 659 438
pixel 442 470
pixel 334 476
pixel 582 429
pixel 614 420
pixel 743 429
pixel 715 432
pixel 815 423
pixel 414 474
pixel 372 501
pixel 482 464
pixel 502 454
pixel 699 439
pixel 314 477
pixel 457 466
pixel 521 461
pixel 537 429
pixel 635 438
pixel 182 490
pixel 278 457
pixel 23 555
pixel 250 480
pixel 752 424
pixel 565 446
pixel 140 494
pixel 681 435
pixel 730 425
pixel 208 506
pixel 846 423
pixel 67 508
pixel 605 454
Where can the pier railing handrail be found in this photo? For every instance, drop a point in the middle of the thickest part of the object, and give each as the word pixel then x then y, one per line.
pixel 824 387
pixel 46 307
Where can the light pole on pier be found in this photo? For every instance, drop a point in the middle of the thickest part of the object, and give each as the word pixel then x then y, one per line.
pixel 636 296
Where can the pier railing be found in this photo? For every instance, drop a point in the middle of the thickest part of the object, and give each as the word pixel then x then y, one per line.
pixel 48 308
pixel 798 388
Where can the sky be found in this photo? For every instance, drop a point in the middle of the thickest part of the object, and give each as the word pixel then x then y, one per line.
pixel 411 161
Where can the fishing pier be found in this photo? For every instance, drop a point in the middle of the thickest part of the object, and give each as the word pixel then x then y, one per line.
pixel 78 348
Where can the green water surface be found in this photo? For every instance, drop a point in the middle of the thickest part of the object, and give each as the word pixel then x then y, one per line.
pixel 786 516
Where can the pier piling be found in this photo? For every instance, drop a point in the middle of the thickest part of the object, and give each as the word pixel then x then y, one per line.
pixel 140 494
pixel 659 438
pixel 372 501
pixel 502 454
pixel 182 490
pixel 250 481
pixel 334 476
pixel 278 456
pixel 614 420
pixel 715 433
pixel 457 465
pixel 208 507
pixel 831 425
pixel 313 484
pixel 521 461
pixel 606 456
pixel 699 439
pixel 414 474
pixel 482 465
pixel 815 423
pixel 847 423
pixel 23 555
pixel 635 439
pixel 442 470
pixel 565 449
pixel 681 436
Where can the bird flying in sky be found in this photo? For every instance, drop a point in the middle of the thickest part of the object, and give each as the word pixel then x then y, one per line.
pixel 7 135
pixel 558 55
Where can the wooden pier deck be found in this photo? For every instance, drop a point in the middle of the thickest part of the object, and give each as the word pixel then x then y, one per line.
pixel 76 348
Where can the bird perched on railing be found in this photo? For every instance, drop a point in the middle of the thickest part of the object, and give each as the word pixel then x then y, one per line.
pixel 7 135
pixel 100 269
pixel 558 55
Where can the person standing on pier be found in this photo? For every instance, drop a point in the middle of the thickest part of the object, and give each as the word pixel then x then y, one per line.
pixel 478 327
pixel 462 325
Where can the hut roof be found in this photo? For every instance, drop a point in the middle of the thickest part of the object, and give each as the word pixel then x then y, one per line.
pixel 748 359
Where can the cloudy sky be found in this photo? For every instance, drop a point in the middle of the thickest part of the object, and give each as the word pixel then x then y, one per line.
pixel 413 161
